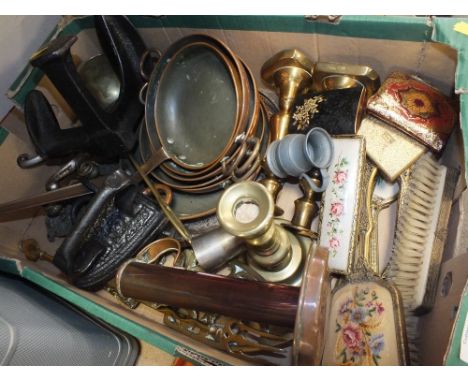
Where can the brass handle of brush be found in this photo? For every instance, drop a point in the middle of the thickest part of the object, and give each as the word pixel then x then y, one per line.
pixel 377 207
pixel 372 262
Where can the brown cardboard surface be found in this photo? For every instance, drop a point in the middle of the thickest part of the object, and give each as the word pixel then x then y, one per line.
pixel 152 356
pixel 18 183
pixel 436 326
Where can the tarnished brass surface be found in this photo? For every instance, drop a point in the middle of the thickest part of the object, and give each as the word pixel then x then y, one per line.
pixel 275 253
pixel 246 340
pixel 273 185
pixel 305 208
pixel 259 229
pixel 290 72
pixel 372 261
pixel 155 251
pixel 331 75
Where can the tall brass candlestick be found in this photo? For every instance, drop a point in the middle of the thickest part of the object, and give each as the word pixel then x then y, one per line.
pixel 290 72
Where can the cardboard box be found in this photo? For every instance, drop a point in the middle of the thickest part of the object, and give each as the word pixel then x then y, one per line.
pixel 428 47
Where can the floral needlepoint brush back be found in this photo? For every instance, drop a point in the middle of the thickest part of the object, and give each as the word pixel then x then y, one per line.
pixel 359 340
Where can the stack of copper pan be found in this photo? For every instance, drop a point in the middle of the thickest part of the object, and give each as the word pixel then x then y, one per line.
pixel 205 116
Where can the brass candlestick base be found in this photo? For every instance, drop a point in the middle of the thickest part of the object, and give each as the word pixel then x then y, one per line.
pixel 246 210
pixel 290 72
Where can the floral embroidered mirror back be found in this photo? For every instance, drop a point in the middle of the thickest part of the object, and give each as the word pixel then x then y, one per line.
pixel 363 329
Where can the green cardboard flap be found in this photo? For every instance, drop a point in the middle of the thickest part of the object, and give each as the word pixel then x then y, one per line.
pixel 381 27
pixel 445 33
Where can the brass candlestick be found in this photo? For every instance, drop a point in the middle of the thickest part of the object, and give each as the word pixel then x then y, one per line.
pixel 290 72
pixel 273 185
pixel 274 252
pixel 305 207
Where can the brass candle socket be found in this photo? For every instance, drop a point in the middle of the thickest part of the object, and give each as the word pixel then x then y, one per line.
pixel 246 210
pixel 290 72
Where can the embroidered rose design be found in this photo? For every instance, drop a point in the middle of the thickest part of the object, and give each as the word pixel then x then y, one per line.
pixel 336 208
pixel 334 243
pixel 352 336
pixel 339 178
pixel 359 337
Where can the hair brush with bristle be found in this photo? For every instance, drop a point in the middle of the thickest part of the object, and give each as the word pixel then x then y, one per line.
pixel 423 213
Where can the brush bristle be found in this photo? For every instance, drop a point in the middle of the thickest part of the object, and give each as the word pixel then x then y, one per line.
pixel 413 231
pixel 413 241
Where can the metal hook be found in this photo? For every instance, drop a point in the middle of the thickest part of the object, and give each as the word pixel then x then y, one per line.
pixel 26 161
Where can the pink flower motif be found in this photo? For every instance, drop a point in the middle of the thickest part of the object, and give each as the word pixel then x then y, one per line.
pixel 340 177
pixel 337 208
pixel 380 308
pixel 334 243
pixel 352 335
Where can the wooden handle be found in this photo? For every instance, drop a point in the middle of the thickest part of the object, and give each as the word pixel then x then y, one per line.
pixel 239 298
